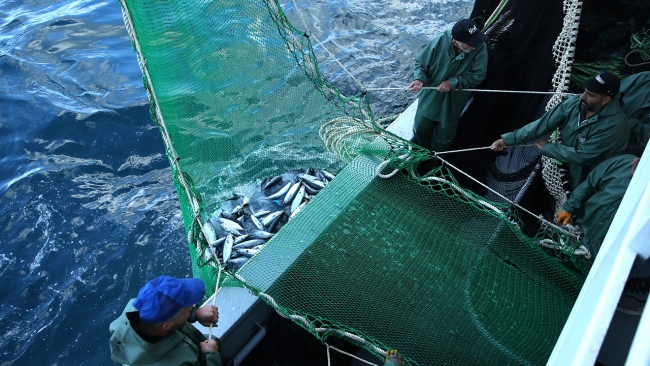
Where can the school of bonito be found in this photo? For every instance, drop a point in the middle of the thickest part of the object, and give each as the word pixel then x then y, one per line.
pixel 244 223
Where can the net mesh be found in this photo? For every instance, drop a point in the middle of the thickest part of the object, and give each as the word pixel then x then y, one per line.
pixel 407 262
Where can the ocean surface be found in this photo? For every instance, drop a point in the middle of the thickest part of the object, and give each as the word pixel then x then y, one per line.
pixel 88 209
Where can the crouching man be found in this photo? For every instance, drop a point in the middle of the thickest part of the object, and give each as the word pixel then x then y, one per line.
pixel 155 329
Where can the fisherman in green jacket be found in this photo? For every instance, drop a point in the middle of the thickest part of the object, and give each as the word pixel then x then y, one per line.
pixel 635 103
pixel 155 328
pixel 592 128
pixel 452 61
pixel 595 201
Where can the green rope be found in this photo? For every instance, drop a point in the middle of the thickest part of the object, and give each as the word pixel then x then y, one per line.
pixel 495 15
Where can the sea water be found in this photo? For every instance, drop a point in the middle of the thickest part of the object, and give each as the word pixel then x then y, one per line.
pixel 88 208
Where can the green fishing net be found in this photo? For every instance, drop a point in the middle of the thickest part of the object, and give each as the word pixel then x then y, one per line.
pixel 423 266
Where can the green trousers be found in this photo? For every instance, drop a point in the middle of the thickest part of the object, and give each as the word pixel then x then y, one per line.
pixel 433 135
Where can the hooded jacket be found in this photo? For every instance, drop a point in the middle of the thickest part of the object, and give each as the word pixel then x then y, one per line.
pixel 635 103
pixel 181 347
pixel 438 62
pixel 596 200
pixel 584 142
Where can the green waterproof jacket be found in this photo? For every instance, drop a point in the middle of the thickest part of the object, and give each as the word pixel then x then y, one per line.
pixel 438 62
pixel 181 347
pixel 635 103
pixel 595 201
pixel 584 142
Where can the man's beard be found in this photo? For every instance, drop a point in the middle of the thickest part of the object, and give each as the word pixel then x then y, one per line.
pixel 468 50
pixel 585 108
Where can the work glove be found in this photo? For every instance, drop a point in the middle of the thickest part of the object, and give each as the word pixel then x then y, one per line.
pixel 563 217
pixel 394 358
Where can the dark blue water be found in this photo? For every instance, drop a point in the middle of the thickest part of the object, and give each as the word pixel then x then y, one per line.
pixel 88 209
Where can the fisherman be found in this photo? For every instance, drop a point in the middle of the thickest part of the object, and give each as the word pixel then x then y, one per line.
pixel 595 201
pixel 635 103
pixel 592 128
pixel 155 329
pixel 452 61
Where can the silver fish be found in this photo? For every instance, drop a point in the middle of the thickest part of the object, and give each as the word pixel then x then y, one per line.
pixel 227 247
pixel 241 238
pixel 261 213
pixel 237 210
pixel 249 244
pixel 298 209
pixel 256 222
pixel 210 233
pixel 270 181
pixel 291 193
pixel 283 191
pixel 298 199
pixel 230 226
pixel 271 219
pixel 309 189
pixel 312 181
pixel 260 235
pixel 247 252
pixel 219 242
pixel 327 174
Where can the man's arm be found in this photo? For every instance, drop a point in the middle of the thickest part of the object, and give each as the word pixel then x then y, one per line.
pixel 586 189
pixel 207 315
pixel 640 132
pixel 586 152
pixel 476 72
pixel 551 120
pixel 210 350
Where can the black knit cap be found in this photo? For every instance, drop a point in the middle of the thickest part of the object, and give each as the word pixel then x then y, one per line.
pixel 604 83
pixel 467 31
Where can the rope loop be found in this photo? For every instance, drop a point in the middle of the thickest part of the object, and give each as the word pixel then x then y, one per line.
pixel 643 53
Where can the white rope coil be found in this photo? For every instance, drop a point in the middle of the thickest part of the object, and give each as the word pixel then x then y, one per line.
pixel 580 251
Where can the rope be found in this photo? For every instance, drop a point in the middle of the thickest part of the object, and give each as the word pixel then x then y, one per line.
pixel 540 217
pixel 173 157
pixel 216 288
pixel 486 91
pixel 322 45
pixel 579 251
pixel 475 148
pixel 495 14
pixel 216 258
pixel 345 353
pixel 645 54
pixel 461 191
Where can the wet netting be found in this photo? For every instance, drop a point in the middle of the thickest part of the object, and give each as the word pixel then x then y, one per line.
pixel 295 192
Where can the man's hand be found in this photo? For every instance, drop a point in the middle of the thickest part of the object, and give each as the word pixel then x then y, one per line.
pixel 540 144
pixel 394 357
pixel 498 145
pixel 563 217
pixel 209 345
pixel 207 314
pixel 416 85
pixel 445 86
